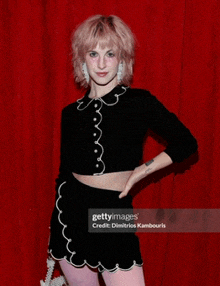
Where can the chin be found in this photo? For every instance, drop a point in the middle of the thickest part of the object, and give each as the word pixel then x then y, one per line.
pixel 104 81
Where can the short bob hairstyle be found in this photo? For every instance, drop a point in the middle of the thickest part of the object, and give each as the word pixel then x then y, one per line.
pixel 106 31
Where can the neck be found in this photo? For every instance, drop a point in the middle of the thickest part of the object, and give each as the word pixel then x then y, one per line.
pixel 98 91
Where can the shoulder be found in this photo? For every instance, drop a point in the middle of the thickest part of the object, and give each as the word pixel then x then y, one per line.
pixel 144 101
pixel 69 109
pixel 142 96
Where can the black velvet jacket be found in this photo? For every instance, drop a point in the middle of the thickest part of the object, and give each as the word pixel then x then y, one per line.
pixel 106 135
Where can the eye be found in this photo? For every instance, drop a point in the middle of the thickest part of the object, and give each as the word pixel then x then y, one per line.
pixel 93 54
pixel 111 54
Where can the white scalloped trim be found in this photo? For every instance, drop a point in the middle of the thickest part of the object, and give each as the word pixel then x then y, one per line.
pixel 99 159
pixel 64 225
pixel 80 101
pixel 117 97
pixel 113 270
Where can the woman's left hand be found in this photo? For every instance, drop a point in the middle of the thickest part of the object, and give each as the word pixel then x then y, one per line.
pixel 160 161
pixel 139 173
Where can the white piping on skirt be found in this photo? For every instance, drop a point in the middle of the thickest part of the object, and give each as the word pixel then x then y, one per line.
pixel 113 270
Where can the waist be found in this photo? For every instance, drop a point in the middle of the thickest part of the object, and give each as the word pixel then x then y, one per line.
pixel 115 181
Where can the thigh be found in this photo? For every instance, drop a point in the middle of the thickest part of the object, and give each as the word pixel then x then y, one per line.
pixel 131 277
pixel 83 276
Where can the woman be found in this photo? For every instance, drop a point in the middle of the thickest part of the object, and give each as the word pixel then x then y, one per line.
pixel 101 151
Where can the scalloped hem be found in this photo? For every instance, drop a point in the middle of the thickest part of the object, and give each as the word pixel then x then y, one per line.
pixel 98 266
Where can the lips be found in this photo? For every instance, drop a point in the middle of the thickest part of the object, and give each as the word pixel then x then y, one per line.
pixel 101 74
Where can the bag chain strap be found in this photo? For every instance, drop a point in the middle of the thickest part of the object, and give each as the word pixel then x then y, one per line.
pixel 58 281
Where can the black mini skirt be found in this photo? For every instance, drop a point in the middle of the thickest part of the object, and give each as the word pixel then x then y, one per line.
pixel 70 239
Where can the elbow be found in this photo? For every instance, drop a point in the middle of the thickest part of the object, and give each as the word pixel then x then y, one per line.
pixel 180 152
pixel 194 146
pixel 187 150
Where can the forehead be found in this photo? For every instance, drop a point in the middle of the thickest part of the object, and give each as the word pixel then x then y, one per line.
pixel 100 49
pixel 106 42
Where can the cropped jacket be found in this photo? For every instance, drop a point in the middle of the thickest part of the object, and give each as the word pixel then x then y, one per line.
pixel 104 135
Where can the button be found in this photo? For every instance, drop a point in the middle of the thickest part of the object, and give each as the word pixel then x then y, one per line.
pixel 94 119
pixel 94 134
pixel 96 105
pixel 95 150
pixel 97 165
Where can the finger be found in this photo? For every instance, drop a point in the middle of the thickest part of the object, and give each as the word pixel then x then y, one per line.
pixel 128 186
pixel 125 192
pixel 122 195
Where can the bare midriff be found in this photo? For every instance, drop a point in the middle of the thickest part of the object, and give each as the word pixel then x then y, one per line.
pixel 111 181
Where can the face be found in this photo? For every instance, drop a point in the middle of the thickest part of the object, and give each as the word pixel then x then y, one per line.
pixel 102 66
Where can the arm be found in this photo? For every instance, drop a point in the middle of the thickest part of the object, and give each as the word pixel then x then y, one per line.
pixel 160 161
pixel 64 173
pixel 180 142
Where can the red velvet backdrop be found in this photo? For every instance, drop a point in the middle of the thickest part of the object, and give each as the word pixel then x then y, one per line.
pixel 177 59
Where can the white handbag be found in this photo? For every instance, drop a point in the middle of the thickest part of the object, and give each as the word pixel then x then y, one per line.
pixel 58 281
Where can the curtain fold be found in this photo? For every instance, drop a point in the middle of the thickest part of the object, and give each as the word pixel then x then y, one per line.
pixel 177 59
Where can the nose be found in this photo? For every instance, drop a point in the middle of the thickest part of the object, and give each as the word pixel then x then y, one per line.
pixel 101 62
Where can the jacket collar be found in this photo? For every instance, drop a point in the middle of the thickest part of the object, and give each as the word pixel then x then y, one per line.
pixel 108 99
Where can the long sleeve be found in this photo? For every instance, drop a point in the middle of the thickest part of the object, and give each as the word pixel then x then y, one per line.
pixel 64 172
pixel 180 142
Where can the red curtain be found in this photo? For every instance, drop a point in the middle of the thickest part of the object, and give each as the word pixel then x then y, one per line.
pixel 177 59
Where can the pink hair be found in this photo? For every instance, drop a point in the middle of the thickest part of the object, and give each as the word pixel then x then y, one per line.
pixel 108 32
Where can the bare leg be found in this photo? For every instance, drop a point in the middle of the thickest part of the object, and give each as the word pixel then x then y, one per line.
pixel 83 276
pixel 131 277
